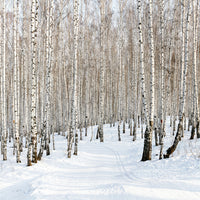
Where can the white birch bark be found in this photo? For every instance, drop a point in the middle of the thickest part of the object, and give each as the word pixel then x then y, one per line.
pixel 102 69
pixel 26 34
pixel 182 57
pixel 16 82
pixel 49 83
pixel 186 57
pixel 147 150
pixel 44 136
pixel 1 84
pixel 86 65
pixel 136 98
pixel 4 117
pixel 76 35
pixel 74 105
pixel 152 62
pixel 120 72
pixel 162 79
pixel 60 41
pixel 132 85
pixel 33 140
pixel 195 122
pixel 142 77
pixel 196 63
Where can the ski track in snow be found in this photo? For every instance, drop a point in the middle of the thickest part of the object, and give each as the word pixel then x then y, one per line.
pixel 104 171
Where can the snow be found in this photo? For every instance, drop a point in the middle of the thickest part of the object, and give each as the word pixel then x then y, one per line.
pixel 105 171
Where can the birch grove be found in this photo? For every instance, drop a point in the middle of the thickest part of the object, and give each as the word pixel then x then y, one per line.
pixel 66 69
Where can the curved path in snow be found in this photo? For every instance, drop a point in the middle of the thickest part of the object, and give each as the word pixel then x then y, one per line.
pixel 102 171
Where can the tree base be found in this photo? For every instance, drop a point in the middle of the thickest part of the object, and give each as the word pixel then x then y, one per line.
pixel 171 149
pixel 147 144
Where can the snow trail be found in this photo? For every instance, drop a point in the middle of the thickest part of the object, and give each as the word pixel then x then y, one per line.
pixel 104 171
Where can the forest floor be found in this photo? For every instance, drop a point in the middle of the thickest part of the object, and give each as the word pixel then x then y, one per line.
pixel 105 171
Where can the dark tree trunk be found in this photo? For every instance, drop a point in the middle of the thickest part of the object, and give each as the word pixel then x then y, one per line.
pixel 124 126
pixel 119 137
pixel 156 136
pixel 147 143
pixel 134 131
pixel 97 136
pixel 171 149
pixel 197 127
pixel 192 132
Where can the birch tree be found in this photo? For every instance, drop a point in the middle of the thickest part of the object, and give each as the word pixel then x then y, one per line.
pixel 73 124
pixel 75 69
pixel 195 122
pixel 33 140
pixel 4 117
pixel 1 80
pixel 102 68
pixel 162 77
pixel 147 150
pixel 16 81
pixel 152 66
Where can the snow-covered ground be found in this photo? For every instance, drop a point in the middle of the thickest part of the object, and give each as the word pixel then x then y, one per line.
pixel 105 171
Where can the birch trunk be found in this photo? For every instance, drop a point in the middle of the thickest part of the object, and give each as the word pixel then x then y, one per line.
pixel 16 82
pixel 132 78
pixel 74 105
pixel 136 102
pixel 120 72
pixel 152 57
pixel 1 84
pixel 195 120
pixel 26 73
pixel 49 78
pixel 4 117
pixel 33 140
pixel 102 68
pixel 152 65
pixel 182 54
pixel 161 128
pixel 147 150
